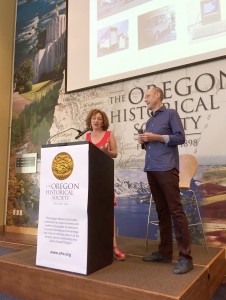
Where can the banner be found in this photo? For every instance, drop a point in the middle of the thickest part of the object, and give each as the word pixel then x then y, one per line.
pixel 62 229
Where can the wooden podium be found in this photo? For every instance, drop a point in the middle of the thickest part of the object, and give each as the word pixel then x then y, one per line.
pixel 76 212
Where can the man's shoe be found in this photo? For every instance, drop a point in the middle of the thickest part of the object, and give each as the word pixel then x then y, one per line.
pixel 183 266
pixel 157 257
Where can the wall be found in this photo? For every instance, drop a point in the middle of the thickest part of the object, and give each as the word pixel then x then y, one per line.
pixel 7 25
pixel 197 92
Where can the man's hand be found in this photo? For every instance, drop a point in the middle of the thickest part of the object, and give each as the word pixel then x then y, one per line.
pixel 147 137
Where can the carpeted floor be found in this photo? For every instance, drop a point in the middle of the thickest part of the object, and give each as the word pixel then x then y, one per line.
pixel 220 293
pixel 4 296
pixel 4 251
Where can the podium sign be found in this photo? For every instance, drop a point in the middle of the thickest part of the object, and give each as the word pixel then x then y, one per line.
pixel 75 219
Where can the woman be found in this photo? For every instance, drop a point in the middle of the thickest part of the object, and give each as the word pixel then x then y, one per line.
pixel 104 139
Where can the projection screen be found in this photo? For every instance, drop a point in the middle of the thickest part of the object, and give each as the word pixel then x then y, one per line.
pixel 113 40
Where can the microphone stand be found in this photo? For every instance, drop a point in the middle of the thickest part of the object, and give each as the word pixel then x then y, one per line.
pixel 51 137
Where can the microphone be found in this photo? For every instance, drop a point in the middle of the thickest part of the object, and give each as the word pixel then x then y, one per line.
pixel 81 133
pixel 140 131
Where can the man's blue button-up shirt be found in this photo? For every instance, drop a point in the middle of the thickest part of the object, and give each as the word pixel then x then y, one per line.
pixel 164 156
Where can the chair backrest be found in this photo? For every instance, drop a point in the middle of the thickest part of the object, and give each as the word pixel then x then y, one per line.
pixel 188 166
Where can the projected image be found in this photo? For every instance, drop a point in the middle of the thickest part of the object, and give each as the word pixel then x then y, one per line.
pixel 106 8
pixel 156 27
pixel 209 20
pixel 137 37
pixel 113 39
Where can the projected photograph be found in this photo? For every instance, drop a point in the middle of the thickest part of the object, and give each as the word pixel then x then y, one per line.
pixel 106 8
pixel 208 20
pixel 156 27
pixel 135 37
pixel 113 39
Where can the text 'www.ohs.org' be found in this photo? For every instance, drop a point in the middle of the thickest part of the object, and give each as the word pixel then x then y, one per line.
pixel 60 253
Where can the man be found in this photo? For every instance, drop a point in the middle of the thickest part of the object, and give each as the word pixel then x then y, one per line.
pixel 164 132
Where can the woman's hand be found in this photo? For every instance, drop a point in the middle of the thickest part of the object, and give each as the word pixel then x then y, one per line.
pixel 105 148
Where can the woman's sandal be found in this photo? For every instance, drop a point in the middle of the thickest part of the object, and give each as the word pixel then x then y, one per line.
pixel 118 255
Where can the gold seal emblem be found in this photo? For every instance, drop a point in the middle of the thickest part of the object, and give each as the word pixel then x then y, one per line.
pixel 62 165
